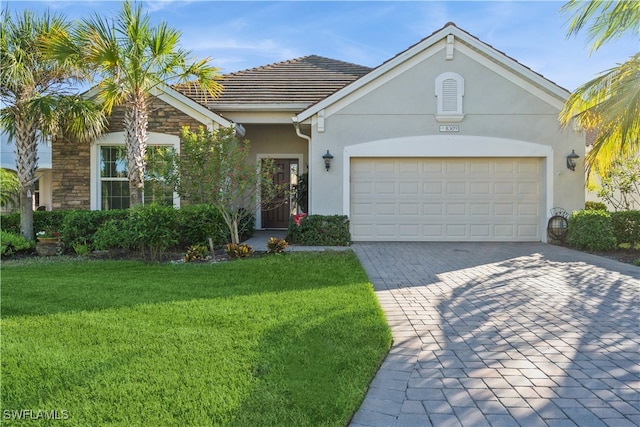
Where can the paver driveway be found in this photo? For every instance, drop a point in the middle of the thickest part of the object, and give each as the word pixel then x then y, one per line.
pixel 504 335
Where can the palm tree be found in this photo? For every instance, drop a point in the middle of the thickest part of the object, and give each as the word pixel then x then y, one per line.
pixel 130 58
pixel 37 97
pixel 608 105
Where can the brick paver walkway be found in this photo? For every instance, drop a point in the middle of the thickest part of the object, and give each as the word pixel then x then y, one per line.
pixel 494 334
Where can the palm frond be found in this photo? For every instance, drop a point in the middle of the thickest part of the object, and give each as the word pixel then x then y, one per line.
pixel 604 20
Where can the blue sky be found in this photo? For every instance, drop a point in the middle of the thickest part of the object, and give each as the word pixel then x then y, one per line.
pixel 241 34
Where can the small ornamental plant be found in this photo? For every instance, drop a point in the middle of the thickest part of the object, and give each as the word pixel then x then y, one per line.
pixel 276 246
pixel 196 253
pixel 235 250
pixel 48 234
pixel 297 219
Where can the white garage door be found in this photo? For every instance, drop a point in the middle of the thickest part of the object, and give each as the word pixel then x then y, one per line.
pixel 451 199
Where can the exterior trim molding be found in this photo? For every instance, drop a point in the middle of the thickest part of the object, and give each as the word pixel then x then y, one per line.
pixel 118 138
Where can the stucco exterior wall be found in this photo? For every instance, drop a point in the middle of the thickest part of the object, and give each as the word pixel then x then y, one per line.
pixel 495 105
pixel 277 140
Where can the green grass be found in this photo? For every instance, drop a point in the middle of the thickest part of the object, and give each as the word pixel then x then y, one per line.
pixel 279 340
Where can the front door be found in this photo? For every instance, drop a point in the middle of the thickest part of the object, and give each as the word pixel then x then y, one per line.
pixel 276 214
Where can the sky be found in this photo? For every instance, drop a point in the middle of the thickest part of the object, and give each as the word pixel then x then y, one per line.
pixel 237 35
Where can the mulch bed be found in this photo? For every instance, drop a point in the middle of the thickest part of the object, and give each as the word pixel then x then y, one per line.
pixel 628 256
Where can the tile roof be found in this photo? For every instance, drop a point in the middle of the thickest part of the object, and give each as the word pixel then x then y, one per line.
pixel 302 81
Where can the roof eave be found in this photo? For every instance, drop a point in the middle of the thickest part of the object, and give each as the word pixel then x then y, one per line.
pixel 289 107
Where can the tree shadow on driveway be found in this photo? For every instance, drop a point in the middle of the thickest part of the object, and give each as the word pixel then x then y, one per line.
pixel 513 334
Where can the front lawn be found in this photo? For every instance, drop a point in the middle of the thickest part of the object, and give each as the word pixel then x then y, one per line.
pixel 278 340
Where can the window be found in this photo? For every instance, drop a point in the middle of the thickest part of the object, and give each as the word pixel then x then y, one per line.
pixel 449 93
pixel 109 182
pixel 114 184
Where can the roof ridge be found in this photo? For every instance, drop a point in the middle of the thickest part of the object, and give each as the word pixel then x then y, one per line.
pixel 294 61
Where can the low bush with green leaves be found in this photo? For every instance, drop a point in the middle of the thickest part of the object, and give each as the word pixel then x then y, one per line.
pixel 626 227
pixel 320 230
pixel 114 234
pixel 42 220
pixel 79 227
pixel 154 229
pixel 11 243
pixel 591 230
pixel 595 206
pixel 198 223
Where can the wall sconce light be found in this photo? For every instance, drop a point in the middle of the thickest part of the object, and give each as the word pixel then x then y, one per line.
pixel 571 160
pixel 327 160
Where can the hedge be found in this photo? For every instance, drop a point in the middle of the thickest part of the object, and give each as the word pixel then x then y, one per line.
pixel 320 230
pixel 190 225
pixel 626 226
pixel 591 230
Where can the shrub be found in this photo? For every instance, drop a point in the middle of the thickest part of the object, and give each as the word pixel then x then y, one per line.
pixel 626 226
pixel 79 227
pixel 241 250
pixel 82 249
pixel 10 243
pixel 48 220
pixel 595 206
pixel 276 246
pixel 196 253
pixel 154 229
pixel 114 234
pixel 591 230
pixel 10 223
pixel 42 220
pixel 199 222
pixel 320 230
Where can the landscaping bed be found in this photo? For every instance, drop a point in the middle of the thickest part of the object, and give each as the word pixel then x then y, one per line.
pixel 292 339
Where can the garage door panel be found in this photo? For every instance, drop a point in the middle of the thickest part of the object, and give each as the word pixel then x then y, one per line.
pixel 480 209
pixel 432 188
pixel 446 199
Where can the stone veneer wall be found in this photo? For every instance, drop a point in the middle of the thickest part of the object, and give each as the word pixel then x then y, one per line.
pixel 71 170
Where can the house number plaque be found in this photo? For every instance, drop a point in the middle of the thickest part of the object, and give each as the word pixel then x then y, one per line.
pixel 449 128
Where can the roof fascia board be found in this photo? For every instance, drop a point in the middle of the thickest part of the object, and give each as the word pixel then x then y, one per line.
pixel 260 117
pixel 180 102
pixel 555 99
pixel 259 107
pixel 188 106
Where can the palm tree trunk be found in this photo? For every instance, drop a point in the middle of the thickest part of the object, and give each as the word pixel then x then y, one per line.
pixel 135 124
pixel 26 163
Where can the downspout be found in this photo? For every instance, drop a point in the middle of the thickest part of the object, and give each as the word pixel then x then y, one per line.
pixel 296 125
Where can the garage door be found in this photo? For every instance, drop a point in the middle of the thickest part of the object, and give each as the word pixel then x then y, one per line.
pixel 451 199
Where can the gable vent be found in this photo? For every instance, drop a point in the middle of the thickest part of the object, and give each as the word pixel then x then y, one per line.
pixel 449 88
pixel 450 96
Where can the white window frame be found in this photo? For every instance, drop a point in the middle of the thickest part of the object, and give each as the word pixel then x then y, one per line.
pixel 117 139
pixel 449 116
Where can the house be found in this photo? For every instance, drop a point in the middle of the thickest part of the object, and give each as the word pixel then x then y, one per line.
pixel 450 140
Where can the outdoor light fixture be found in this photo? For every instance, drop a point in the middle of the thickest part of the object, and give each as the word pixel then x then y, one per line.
pixel 327 160
pixel 571 160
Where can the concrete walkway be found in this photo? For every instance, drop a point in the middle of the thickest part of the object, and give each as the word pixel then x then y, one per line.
pixel 495 334
pixel 260 238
